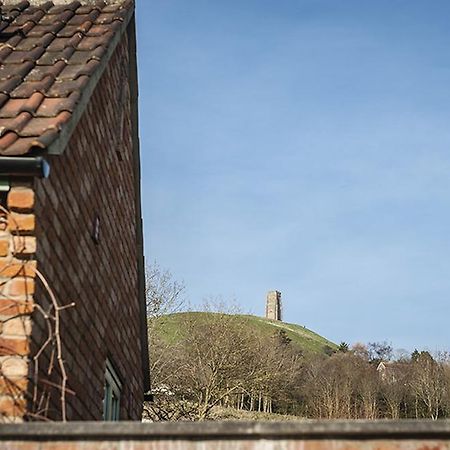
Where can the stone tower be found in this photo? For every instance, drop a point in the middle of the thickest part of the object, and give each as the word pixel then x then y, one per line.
pixel 273 305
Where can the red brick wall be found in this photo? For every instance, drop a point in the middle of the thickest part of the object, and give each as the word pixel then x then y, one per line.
pixel 234 444
pixel 228 435
pixel 17 272
pixel 93 178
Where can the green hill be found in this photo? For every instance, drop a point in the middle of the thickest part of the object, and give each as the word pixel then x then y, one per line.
pixel 170 328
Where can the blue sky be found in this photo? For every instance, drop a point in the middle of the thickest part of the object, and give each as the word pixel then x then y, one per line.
pixel 302 146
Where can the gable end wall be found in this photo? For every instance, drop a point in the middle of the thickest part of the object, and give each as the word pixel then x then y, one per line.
pixel 94 178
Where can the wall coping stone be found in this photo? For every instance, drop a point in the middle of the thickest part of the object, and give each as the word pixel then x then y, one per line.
pixel 196 431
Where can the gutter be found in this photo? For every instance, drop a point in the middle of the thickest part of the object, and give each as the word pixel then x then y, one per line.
pixel 21 166
pixel 24 166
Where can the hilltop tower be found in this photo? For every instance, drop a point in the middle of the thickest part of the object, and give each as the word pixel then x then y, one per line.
pixel 273 305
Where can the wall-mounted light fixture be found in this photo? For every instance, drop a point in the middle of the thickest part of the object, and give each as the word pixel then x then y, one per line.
pixel 96 230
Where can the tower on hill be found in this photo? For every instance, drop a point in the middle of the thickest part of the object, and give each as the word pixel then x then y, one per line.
pixel 273 305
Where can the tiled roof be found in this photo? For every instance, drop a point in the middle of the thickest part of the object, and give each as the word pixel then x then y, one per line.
pixel 51 56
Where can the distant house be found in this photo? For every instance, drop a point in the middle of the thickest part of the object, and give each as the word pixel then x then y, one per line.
pixel 391 371
pixel 68 94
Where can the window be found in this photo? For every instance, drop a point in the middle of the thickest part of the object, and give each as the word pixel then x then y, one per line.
pixel 113 388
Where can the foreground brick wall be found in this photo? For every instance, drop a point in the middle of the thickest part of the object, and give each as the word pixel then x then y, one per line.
pixel 93 180
pixel 282 444
pixel 307 435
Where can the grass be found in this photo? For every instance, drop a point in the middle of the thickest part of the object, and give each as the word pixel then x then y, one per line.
pixel 170 329
pixel 300 336
pixel 220 413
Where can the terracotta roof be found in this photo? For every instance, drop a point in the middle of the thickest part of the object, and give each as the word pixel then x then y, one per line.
pixel 51 57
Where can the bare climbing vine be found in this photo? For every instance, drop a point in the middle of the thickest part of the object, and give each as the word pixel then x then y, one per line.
pixel 48 372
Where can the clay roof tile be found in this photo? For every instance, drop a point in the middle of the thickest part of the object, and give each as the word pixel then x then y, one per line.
pixel 17 147
pixel 40 30
pixel 40 7
pixel 73 6
pixel 51 107
pixel 106 18
pixel 39 125
pixel 98 30
pixel 5 50
pixel 12 29
pixel 35 17
pixel 74 71
pixel 27 88
pixel 48 55
pixel 14 40
pixel 15 124
pixel 49 58
pixel 91 43
pixel 18 56
pixel 62 17
pixel 64 88
pixel 61 43
pixel 82 57
pixel 86 9
pixel 111 8
pixel 79 19
pixel 14 107
pixel 30 43
pixel 19 6
pixel 39 72
pixel 7 86
pixel 3 99
pixel 70 30
pixel 11 70
pixel 7 140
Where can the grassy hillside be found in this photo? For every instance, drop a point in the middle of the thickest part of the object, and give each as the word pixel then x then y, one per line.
pixel 170 327
pixel 301 336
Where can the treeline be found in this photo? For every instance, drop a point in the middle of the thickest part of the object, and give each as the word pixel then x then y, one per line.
pixel 352 385
pixel 215 360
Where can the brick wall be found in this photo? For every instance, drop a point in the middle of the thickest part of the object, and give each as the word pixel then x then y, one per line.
pixel 306 435
pixel 94 181
pixel 91 185
pixel 17 272
pixel 233 444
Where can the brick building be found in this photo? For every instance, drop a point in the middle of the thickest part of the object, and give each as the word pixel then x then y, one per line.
pixel 73 341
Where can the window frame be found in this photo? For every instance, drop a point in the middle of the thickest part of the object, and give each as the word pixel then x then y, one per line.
pixel 112 393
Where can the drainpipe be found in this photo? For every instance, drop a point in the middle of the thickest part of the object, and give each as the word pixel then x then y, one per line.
pixel 21 166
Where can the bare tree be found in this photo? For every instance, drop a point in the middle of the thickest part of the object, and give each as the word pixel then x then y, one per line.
pixel 367 388
pixel 330 386
pixel 394 389
pixel 379 351
pixel 163 293
pixel 360 350
pixel 205 364
pixel 429 385
pixel 216 351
